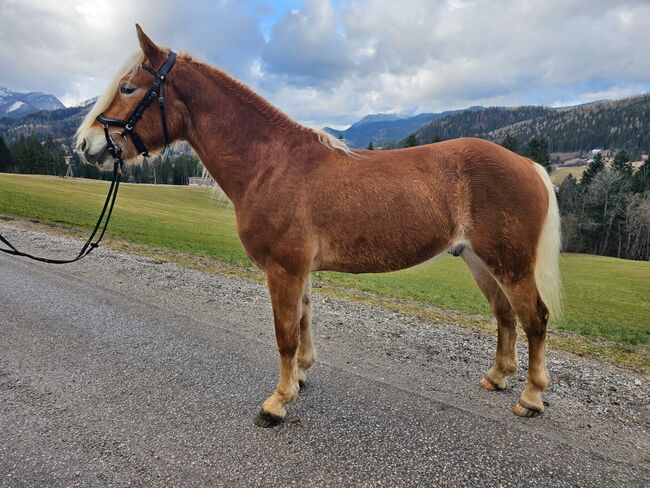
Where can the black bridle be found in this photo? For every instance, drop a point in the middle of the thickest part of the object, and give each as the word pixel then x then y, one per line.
pixel 155 91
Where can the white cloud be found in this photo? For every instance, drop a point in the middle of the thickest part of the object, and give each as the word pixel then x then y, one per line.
pixel 331 63
pixel 305 47
pixel 72 48
pixel 424 55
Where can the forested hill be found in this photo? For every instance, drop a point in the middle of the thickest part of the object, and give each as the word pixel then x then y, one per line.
pixel 620 124
pixel 58 124
pixel 616 125
pixel 475 123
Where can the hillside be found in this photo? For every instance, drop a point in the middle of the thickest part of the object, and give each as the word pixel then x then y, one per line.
pixel 607 124
pixel 620 124
pixel 475 123
pixel 58 124
pixel 381 129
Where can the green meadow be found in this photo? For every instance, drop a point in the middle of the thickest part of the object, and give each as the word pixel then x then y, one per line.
pixel 605 298
pixel 560 174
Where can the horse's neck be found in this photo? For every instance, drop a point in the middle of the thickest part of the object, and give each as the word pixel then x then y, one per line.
pixel 233 137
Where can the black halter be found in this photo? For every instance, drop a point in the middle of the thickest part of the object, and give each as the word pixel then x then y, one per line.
pixel 156 91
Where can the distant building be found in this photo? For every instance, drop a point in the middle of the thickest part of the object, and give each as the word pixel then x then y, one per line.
pixel 200 181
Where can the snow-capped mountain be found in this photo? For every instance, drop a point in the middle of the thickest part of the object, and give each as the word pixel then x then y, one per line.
pixel 16 104
pixel 89 102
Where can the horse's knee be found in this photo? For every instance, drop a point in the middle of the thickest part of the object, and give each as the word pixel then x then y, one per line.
pixel 542 314
pixel 537 322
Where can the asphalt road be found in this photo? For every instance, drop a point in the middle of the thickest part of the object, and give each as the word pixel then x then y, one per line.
pixel 125 371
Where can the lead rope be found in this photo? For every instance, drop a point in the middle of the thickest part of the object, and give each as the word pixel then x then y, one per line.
pixel 89 246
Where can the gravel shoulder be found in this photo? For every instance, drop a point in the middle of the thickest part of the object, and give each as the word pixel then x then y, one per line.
pixel 164 324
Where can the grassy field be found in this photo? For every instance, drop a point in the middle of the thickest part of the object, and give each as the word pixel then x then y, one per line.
pixel 560 173
pixel 606 298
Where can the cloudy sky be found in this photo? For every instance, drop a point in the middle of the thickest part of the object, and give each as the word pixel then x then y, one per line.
pixel 330 62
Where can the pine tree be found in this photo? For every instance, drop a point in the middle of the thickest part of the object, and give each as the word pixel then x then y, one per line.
pixel 411 141
pixel 510 142
pixel 371 146
pixel 5 157
pixel 137 173
pixel 641 178
pixel 622 162
pixel 28 155
pixel 537 150
pixel 595 166
pixel 147 172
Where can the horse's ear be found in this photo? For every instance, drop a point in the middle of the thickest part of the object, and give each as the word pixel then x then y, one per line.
pixel 152 52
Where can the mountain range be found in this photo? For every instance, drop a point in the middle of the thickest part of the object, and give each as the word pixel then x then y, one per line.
pixel 17 104
pixel 60 124
pixel 605 124
pixel 381 129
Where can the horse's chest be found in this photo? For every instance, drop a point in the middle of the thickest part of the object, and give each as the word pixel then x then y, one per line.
pixel 267 235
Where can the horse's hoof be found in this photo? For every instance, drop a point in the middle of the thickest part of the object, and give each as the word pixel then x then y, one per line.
pixel 488 385
pixel 527 411
pixel 267 420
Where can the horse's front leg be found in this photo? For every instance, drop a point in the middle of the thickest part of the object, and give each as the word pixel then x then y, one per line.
pixel 306 351
pixel 286 290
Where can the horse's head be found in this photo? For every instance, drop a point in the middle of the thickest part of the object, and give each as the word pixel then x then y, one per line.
pixel 121 101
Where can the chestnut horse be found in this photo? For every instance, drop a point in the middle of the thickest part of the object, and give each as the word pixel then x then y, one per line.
pixel 305 202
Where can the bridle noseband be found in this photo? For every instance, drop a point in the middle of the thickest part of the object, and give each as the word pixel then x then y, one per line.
pixel 157 90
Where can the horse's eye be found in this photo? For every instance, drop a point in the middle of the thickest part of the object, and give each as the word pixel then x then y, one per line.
pixel 127 90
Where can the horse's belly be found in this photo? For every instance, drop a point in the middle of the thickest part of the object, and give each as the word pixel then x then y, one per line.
pixel 389 226
pixel 380 254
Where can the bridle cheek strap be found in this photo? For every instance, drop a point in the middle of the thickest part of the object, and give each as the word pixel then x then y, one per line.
pixel 157 90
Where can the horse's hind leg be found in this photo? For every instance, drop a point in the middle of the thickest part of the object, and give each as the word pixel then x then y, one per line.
pixel 506 362
pixel 306 351
pixel 523 297
pixel 286 290
pixel 533 316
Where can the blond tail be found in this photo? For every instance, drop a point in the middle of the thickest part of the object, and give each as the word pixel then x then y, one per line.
pixel 547 265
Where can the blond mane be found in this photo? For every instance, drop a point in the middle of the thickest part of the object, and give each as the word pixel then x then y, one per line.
pixel 129 68
pixel 331 142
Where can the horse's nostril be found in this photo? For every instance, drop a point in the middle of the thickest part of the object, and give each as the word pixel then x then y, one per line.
pixel 83 145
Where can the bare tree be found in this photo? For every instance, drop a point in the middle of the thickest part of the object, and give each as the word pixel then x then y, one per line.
pixel 637 220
